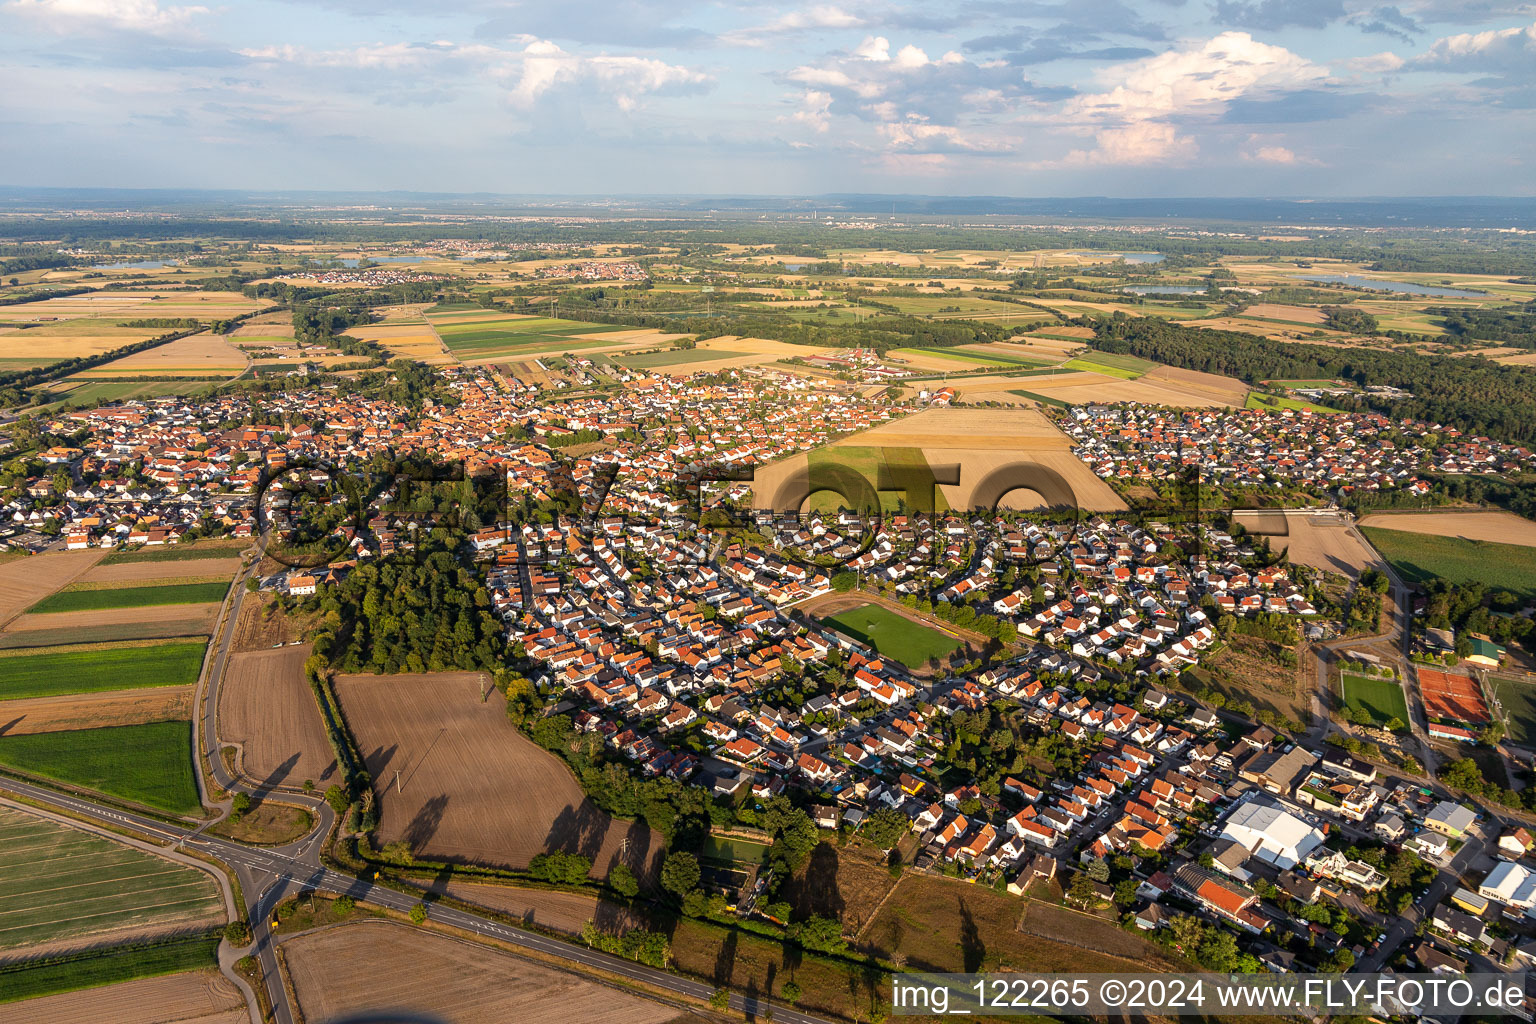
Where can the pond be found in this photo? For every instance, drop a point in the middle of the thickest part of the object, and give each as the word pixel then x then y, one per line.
pixel 1401 287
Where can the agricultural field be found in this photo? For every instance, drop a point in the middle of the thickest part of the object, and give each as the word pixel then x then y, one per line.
pixel 895 636
pixel 26 581
pixel 70 670
pixel 201 355
pixel 547 908
pixel 77 599
pixel 187 997
pixel 147 764
pixel 77 391
pixel 1380 696
pixel 1112 364
pixel 472 788
pixel 1272 403
pixel 1466 524
pixel 404 339
pixel 671 357
pixel 1517 699
pixel 1421 556
pixel 485 335
pixel 60 884
pixel 71 712
pixel 1323 542
pixel 335 973
pixel 142 571
pixel 267 707
pixel 725 353
pixel 941 924
pixel 980 441
pixel 86 627
pixel 200 550
pixel 1164 385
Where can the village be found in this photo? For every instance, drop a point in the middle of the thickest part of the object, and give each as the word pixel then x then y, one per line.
pixel 697 653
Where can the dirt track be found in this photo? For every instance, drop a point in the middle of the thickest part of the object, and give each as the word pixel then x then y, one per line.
pixel 472 788
pixel 95 710
pixel 194 997
pixel 266 705
pixel 26 581
pixel 378 966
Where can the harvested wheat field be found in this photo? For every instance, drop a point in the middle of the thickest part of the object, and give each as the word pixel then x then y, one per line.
pixel 409 340
pixel 135 572
pixel 1472 524
pixel 42 349
pixel 558 911
pixel 472 788
pixel 95 710
pixel 26 581
pixel 189 619
pixel 337 971
pixel 1321 541
pixel 199 355
pixel 1291 314
pixel 193 997
pixel 979 441
pixel 1161 386
pixel 267 707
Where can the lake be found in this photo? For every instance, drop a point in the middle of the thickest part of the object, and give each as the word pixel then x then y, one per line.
pixel 1129 257
pixel 1401 287
pixel 1165 289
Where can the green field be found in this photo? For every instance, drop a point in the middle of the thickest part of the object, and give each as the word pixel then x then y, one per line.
pixel 733 850
pixel 1418 557
pixel 111 633
pixel 146 764
pixel 102 668
pixel 97 967
pixel 1271 403
pixel 1381 697
pixel 178 552
pixel 969 355
pixel 894 636
pixel 1054 403
pixel 497 335
pixel 674 357
pixel 58 882
pixel 1518 699
pixel 88 392
pixel 1112 364
pixel 131 597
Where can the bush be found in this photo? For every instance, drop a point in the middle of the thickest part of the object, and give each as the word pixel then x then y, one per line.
pixel 623 881
pixel 560 867
pixel 419 913
pixel 238 933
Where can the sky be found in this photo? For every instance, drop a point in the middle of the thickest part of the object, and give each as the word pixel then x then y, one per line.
pixel 976 97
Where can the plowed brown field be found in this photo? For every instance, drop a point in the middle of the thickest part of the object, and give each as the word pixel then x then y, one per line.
pixel 190 619
pixel 1472 524
pixel 471 787
pixel 558 911
pixel 26 581
pixel 267 706
pixel 133 572
pixel 377 966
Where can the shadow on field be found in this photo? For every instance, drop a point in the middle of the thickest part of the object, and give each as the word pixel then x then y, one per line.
pixel 276 776
pixel 428 819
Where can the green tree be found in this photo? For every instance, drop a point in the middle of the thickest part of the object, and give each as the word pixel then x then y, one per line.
pixel 237 933
pixel 680 873
pixel 623 881
pixel 418 912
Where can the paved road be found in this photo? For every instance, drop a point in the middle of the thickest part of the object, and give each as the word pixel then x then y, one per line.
pixel 1404 926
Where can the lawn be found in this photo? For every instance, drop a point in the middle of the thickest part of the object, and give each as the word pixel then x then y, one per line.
pixel 1418 557
pixel 57 882
pixel 100 668
pixel 131 597
pixel 723 848
pixel 1379 695
pixel 1272 403
pixel 1517 698
pixel 96 967
pixel 675 357
pixel 894 636
pixel 148 764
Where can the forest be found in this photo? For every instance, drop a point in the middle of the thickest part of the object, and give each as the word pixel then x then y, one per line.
pixel 1474 395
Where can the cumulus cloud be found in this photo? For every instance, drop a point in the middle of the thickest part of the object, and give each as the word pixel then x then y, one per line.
pixel 814 105
pixel 1134 121
pixel 68 16
pixel 1509 49
pixel 1258 150
pixel 820 17
pixel 539 67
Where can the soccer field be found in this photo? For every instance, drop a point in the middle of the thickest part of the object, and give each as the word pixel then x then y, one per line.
pixel 894 636
pixel 1382 697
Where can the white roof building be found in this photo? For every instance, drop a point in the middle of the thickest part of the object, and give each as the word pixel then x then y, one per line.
pixel 1272 831
pixel 1510 884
